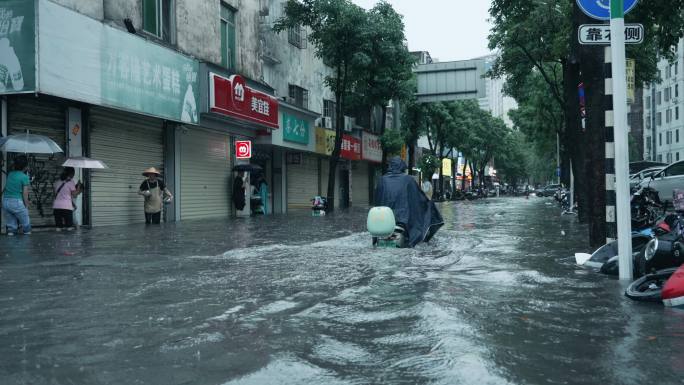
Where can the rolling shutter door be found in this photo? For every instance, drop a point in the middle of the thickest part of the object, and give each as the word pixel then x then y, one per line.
pixel 360 194
pixel 205 174
pixel 128 144
pixel 302 182
pixel 40 117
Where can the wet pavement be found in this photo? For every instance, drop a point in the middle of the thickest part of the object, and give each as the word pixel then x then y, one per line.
pixel 495 299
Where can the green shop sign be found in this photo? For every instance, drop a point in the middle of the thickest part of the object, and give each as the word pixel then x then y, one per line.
pixel 295 129
pixel 83 59
pixel 17 46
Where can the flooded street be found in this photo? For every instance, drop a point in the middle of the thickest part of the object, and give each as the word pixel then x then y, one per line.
pixel 495 299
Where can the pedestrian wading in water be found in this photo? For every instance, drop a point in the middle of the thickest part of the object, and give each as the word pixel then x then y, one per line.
pixel 15 197
pixel 63 206
pixel 155 192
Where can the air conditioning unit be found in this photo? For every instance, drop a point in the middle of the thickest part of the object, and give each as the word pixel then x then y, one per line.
pixel 327 122
pixel 348 124
pixel 319 121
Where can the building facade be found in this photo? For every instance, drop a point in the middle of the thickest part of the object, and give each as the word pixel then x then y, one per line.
pixel 171 85
pixel 663 106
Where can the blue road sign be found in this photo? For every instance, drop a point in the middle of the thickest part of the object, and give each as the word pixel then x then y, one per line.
pixel 600 9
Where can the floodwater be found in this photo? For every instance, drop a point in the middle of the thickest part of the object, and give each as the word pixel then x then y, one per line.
pixel 495 299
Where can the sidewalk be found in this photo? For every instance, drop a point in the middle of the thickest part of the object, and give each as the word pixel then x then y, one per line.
pixel 179 239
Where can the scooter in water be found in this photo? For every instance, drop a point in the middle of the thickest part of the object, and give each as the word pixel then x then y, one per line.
pixel 384 230
pixel 666 286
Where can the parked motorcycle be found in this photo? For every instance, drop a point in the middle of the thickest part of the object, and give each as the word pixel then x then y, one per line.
pixel 646 208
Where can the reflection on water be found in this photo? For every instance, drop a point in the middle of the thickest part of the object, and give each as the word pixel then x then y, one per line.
pixel 495 299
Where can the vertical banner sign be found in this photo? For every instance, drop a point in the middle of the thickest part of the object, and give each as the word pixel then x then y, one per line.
pixel 582 105
pixel 631 75
pixel 17 46
pixel 243 149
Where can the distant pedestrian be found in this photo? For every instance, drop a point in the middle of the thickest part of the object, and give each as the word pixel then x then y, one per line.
pixel 15 198
pixel 265 195
pixel 65 191
pixel 155 192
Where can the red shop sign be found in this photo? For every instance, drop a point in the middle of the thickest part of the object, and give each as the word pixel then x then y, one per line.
pixel 351 148
pixel 232 97
pixel 243 149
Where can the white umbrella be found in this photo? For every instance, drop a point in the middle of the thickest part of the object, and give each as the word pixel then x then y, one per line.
pixel 29 143
pixel 83 162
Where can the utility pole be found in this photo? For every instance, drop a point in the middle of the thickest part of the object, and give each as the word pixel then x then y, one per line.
pixel 617 44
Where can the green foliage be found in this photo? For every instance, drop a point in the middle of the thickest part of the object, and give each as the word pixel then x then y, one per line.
pixel 428 164
pixel 392 142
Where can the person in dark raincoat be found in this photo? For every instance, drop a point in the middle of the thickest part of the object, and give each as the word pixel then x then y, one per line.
pixel 239 186
pixel 411 207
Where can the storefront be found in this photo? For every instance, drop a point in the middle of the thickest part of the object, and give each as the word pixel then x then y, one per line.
pixel 233 108
pixel 350 153
pixel 363 172
pixel 293 166
pixel 114 96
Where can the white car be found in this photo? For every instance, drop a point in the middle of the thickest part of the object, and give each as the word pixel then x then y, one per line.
pixel 636 178
pixel 666 181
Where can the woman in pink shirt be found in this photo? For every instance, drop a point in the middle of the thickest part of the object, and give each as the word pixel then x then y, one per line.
pixel 63 207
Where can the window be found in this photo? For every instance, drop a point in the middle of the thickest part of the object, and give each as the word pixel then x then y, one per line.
pixel 648 143
pixel 676 67
pixel 675 169
pixel 676 90
pixel 329 110
pixel 668 115
pixel 668 93
pixel 660 158
pixel 659 118
pixel 298 96
pixel 659 97
pixel 677 135
pixel 159 19
pixel 297 37
pixel 668 137
pixel 669 157
pixel 676 113
pixel 648 122
pixel 660 139
pixel 668 72
pixel 677 156
pixel 228 51
pixel 648 102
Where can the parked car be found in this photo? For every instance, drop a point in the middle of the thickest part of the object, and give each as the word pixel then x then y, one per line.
pixel 548 191
pixel 636 178
pixel 666 181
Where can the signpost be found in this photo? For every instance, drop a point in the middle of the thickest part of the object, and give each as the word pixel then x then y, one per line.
pixel 601 9
pixel 599 34
pixel 615 11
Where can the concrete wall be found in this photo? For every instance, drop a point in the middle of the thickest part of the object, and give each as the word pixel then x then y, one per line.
pixel 115 11
pixel 92 8
pixel 295 66
pixel 198 29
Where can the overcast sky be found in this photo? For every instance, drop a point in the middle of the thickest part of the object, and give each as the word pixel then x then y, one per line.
pixel 448 29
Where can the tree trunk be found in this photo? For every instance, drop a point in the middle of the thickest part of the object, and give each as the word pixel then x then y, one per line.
pixel 335 156
pixel 593 138
pixel 463 174
pixel 412 156
pixel 382 131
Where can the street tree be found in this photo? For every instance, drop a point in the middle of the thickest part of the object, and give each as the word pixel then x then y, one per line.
pixel 541 36
pixel 337 28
